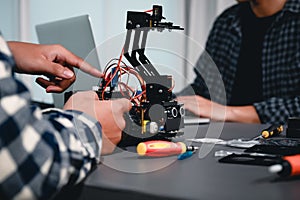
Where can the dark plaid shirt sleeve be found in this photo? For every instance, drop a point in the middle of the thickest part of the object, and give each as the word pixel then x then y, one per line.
pixel 40 151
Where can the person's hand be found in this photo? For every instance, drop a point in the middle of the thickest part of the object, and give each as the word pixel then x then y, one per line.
pixel 108 113
pixel 52 61
pixel 205 108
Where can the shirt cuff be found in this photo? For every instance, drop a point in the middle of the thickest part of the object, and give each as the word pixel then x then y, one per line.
pixel 89 132
pixel 87 128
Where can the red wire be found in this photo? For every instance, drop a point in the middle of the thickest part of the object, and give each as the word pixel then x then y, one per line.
pixel 120 59
pixel 148 10
pixel 139 95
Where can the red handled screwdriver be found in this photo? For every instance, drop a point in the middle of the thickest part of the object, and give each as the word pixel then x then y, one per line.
pixel 159 148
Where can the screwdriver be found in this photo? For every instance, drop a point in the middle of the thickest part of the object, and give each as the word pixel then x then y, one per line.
pixel 289 166
pixel 271 131
pixel 187 154
pixel 159 148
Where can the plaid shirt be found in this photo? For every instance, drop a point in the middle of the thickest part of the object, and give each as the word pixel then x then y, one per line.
pixel 280 63
pixel 40 151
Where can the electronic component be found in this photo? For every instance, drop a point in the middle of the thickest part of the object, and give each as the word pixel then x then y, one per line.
pixel 155 113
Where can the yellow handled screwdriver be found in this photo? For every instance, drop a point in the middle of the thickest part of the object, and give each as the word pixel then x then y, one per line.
pixel 273 130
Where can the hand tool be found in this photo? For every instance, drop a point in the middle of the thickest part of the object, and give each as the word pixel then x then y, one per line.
pixel 239 143
pixel 273 130
pixel 290 166
pixel 158 148
pixel 223 153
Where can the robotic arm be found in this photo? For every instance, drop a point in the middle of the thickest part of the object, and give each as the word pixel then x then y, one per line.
pixel 155 114
pixel 139 24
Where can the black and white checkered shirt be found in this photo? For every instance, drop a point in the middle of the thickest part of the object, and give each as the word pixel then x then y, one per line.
pixel 280 63
pixel 40 151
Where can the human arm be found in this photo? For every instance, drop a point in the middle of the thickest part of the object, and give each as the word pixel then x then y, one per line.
pixel 205 108
pixel 281 74
pixel 53 61
pixel 108 113
pixel 278 109
pixel 43 151
pixel 281 91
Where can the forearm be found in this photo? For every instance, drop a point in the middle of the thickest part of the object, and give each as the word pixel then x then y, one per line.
pixel 40 152
pixel 244 114
pixel 278 110
pixel 61 148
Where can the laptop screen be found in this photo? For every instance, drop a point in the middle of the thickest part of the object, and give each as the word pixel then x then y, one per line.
pixel 76 35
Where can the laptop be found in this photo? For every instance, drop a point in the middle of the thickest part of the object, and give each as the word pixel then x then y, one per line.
pixel 193 120
pixel 76 35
